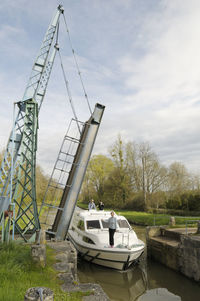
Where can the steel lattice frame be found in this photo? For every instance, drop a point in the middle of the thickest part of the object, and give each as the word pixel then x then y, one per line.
pixel 24 183
pixel 17 171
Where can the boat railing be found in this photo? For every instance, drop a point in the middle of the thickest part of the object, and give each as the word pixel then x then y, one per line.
pixel 125 235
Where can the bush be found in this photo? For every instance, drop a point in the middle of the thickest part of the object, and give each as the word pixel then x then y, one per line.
pixel 194 202
pixel 174 202
pixel 174 212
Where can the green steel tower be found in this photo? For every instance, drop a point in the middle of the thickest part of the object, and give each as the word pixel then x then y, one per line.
pixel 17 171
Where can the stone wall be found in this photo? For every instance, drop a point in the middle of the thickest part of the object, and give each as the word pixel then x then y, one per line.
pixel 189 256
pixel 66 266
pixel 177 251
pixel 66 256
pixel 160 250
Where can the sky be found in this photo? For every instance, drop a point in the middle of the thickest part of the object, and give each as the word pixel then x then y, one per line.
pixel 139 58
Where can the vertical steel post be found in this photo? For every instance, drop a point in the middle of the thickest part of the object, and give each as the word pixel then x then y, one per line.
pixel 24 190
pixel 12 173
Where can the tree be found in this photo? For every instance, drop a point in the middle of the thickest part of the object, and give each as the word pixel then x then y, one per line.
pixel 153 173
pixel 120 180
pixel 87 190
pixel 133 166
pixel 41 184
pixel 195 182
pixel 100 168
pixel 41 181
pixel 98 171
pixel 178 179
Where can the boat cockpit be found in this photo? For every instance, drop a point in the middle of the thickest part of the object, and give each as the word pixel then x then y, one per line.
pixel 97 222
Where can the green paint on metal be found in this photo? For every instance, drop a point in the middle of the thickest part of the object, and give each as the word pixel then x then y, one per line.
pixel 24 191
pixel 17 171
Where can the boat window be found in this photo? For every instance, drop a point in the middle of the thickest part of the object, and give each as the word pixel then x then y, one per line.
pixel 88 240
pixel 81 225
pixel 104 224
pixel 123 223
pixel 94 224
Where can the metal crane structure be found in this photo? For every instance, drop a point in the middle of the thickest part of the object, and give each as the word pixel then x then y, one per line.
pixel 68 173
pixel 17 172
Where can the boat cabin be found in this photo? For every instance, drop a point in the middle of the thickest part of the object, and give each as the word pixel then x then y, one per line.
pixel 95 220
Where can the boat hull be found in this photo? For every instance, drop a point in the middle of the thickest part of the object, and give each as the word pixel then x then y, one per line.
pixel 109 257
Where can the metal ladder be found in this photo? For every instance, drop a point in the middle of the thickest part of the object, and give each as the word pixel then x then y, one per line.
pixel 59 176
pixel 68 174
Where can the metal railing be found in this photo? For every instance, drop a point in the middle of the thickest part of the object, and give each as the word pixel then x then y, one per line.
pixel 186 224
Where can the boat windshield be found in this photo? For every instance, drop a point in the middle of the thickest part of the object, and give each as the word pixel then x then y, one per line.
pixel 104 224
pixel 123 223
pixel 93 224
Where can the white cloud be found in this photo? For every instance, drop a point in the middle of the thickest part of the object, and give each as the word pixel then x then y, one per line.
pixel 165 81
pixel 139 58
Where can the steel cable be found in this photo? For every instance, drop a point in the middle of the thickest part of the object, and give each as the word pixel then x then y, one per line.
pixel 68 92
pixel 77 66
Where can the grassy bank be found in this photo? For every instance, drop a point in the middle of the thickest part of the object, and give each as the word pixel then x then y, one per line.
pixel 18 273
pixel 151 219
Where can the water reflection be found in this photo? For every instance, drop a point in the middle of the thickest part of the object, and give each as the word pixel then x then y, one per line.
pixel 158 294
pixel 161 277
pixel 119 286
pixel 154 283
pixel 150 281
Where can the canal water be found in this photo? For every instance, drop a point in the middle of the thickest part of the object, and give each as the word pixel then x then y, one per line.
pixel 148 281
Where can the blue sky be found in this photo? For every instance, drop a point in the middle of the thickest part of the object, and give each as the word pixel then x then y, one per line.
pixel 140 58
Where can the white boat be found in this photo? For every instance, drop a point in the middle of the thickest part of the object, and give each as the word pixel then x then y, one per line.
pixel 89 234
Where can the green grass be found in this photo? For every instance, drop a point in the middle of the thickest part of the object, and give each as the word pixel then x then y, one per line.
pixel 82 205
pixel 150 219
pixel 143 218
pixel 18 273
